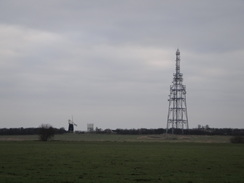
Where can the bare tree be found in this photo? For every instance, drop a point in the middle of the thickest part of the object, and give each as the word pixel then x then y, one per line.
pixel 46 132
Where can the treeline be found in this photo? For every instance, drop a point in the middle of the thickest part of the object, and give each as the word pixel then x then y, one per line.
pixel 144 131
pixel 27 131
pixel 216 131
pixel 141 131
pixel 209 131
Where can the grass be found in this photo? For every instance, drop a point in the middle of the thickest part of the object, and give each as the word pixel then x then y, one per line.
pixel 120 162
pixel 125 138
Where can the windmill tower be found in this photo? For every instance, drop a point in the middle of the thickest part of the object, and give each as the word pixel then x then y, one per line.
pixel 177 112
pixel 71 125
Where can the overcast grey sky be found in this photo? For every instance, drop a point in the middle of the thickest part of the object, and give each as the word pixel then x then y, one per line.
pixel 111 62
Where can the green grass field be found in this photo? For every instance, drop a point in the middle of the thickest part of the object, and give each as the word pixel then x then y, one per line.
pixel 120 161
pixel 124 138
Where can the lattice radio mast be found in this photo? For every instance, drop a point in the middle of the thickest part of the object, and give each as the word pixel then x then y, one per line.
pixel 177 112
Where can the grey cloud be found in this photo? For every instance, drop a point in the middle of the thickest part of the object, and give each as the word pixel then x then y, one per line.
pixel 112 62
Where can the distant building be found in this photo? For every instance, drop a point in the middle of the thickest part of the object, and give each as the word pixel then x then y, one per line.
pixel 90 127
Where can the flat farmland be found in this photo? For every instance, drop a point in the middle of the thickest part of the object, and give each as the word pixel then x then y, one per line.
pixel 123 138
pixel 120 161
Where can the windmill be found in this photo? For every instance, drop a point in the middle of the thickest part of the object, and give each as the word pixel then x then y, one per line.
pixel 71 125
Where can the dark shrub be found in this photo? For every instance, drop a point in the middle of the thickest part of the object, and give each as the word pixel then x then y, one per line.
pixel 237 139
pixel 46 132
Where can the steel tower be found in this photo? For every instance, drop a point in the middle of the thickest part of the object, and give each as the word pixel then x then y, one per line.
pixel 177 112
